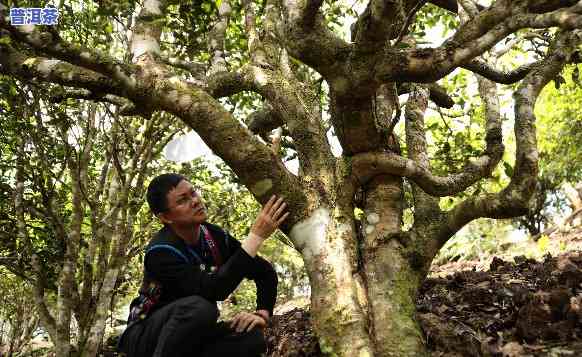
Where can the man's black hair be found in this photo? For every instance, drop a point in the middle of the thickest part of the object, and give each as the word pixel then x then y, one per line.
pixel 158 190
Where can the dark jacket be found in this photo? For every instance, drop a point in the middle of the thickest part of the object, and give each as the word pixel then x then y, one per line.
pixel 180 273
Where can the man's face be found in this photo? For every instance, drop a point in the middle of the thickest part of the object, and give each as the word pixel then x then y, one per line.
pixel 185 206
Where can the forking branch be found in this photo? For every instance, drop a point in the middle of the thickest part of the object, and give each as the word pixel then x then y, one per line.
pixel 513 200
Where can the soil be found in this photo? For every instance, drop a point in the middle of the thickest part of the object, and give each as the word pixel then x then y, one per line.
pixel 522 307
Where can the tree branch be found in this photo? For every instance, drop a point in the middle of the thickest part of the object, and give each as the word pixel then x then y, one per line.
pixel 47 318
pixel 450 5
pixel 311 41
pixel 126 107
pixel 438 94
pixel 256 165
pixel 54 71
pixel 310 11
pixel 535 6
pixel 216 39
pixel 47 188
pixel 256 51
pixel 141 155
pixel 514 199
pixel 225 84
pixel 471 40
pixel 196 69
pixel 367 165
pixel 51 44
pixel 264 49
pixel 84 155
pixel 567 19
pixel 48 321
pixel 386 109
pixel 146 32
pixel 470 9
pixel 264 120
pixel 426 208
pixel 484 69
pixel 380 21
pixel 541 6
pixel 303 12
pixel 270 60
pixel 121 218
pixel 68 294
pixel 83 297
pixel 299 111
pixel 479 65
pixel 276 141
pixel 408 20
pixel 290 103
pixel 497 53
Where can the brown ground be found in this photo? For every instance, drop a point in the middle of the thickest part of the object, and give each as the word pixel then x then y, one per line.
pixel 517 308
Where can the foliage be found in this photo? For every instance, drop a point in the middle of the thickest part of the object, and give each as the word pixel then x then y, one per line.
pixel 476 241
pixel 559 134
pixel 431 17
pixel 560 124
pixel 19 318
pixel 74 173
pixel 16 121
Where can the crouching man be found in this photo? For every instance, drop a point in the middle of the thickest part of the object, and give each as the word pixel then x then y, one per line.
pixel 190 265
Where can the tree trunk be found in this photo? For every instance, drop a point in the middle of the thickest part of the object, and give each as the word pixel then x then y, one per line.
pixel 390 280
pixel 339 320
pixel 362 300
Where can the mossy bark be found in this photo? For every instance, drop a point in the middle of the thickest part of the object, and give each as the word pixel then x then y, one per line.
pixel 363 301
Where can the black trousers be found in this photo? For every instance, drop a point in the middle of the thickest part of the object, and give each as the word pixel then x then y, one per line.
pixel 188 328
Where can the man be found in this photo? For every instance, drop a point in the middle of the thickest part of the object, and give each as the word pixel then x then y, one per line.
pixel 188 266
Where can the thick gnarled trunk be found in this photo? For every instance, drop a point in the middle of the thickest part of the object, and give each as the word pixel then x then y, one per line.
pixel 362 303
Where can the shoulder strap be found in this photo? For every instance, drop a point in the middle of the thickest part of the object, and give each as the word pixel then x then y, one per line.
pixel 170 248
pixel 212 245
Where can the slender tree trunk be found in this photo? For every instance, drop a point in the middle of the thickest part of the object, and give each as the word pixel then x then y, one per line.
pixel 391 282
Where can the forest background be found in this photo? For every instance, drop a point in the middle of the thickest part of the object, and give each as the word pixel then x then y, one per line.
pixel 74 168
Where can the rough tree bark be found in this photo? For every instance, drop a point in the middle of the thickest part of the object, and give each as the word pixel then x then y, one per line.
pixel 364 275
